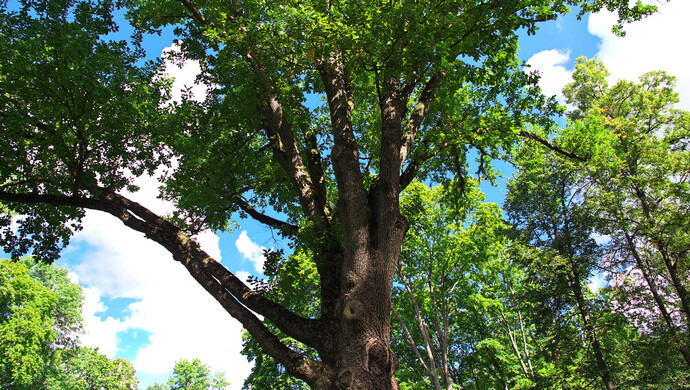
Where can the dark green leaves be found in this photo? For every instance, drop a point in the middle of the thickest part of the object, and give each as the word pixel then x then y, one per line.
pixel 77 112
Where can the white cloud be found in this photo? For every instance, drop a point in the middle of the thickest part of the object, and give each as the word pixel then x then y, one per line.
pixel 658 42
pixel 243 276
pixel 597 282
pixel 98 333
pixel 554 75
pixel 184 75
pixel 251 251
pixel 188 323
pixel 149 189
pixel 208 241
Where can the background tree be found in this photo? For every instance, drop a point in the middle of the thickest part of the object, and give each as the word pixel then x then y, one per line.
pixel 192 375
pixel 629 150
pixel 638 169
pixel 458 320
pixel 41 325
pixel 409 88
pixel 545 203
pixel 85 368
pixel 68 310
pixel 26 322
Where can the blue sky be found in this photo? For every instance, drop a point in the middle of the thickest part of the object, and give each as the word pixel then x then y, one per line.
pixel 143 306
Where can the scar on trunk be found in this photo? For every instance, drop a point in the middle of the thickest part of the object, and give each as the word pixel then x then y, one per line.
pixel 353 311
pixel 378 357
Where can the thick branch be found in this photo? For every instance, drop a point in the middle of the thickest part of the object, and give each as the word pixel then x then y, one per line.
pixel 300 328
pixel 416 162
pixel 285 148
pixel 286 151
pixel 315 166
pixel 196 13
pixel 345 153
pixel 294 362
pixel 393 105
pixel 421 109
pixel 184 250
pixel 55 200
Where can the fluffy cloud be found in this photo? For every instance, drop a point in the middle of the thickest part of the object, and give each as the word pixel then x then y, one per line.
pixel 208 241
pixel 650 44
pixel 597 282
pixel 554 75
pixel 149 188
pixel 243 276
pixel 184 75
pixel 99 333
pixel 655 43
pixel 251 251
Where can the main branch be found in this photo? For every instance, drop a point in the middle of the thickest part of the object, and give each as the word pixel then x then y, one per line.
pixel 226 288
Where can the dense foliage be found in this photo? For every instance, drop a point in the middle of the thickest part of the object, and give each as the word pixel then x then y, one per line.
pixel 520 313
pixel 26 325
pixel 318 115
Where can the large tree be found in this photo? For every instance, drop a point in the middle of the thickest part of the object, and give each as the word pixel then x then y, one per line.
pixel 638 173
pixel 407 89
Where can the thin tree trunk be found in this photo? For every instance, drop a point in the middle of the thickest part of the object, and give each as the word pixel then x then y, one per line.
pixel 441 325
pixel 661 305
pixel 432 368
pixel 576 286
pixel 671 266
pixel 513 343
pixel 524 343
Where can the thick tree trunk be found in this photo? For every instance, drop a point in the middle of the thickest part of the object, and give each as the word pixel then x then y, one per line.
pixel 360 353
pixel 364 357
pixel 373 231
